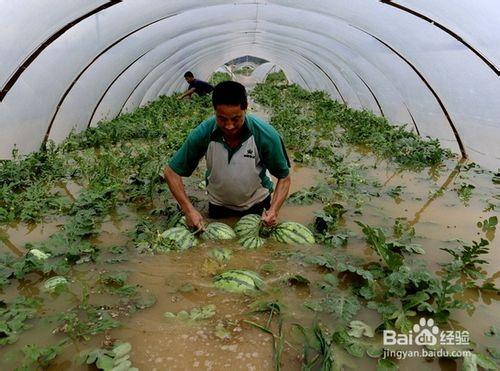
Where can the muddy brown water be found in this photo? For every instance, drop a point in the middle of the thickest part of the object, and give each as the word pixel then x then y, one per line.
pixel 161 344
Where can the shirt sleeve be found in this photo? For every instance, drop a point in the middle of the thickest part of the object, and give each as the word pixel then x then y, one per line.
pixel 274 156
pixel 186 159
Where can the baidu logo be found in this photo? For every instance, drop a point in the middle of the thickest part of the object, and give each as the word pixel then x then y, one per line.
pixel 426 332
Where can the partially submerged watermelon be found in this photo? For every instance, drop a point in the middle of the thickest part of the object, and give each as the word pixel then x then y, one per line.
pixel 292 232
pixel 173 239
pixel 248 225
pixel 55 284
pixel 238 281
pixel 218 231
pixel 251 242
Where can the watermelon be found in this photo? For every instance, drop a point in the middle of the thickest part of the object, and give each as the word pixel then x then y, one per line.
pixel 292 233
pixel 176 238
pixel 54 284
pixel 248 225
pixel 221 255
pixel 40 255
pixel 251 241
pixel 238 281
pixel 218 231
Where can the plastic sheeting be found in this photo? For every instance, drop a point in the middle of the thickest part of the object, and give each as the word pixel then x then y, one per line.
pixel 431 65
pixel 261 72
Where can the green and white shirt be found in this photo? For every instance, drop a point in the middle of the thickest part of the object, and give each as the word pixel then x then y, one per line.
pixel 237 178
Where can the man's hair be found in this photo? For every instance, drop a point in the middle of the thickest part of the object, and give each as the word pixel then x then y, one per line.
pixel 231 93
pixel 188 74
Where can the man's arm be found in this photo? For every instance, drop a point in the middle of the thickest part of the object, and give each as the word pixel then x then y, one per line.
pixel 270 217
pixel 174 181
pixel 188 92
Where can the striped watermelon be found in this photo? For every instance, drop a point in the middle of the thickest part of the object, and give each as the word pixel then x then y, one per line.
pixel 238 281
pixel 248 225
pixel 292 233
pixel 54 284
pixel 221 255
pixel 251 241
pixel 218 231
pixel 176 238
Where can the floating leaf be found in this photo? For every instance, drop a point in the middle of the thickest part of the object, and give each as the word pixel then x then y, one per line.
pixel 359 329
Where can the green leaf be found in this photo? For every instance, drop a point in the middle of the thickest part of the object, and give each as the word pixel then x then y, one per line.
pixel 357 346
pixel 471 363
pixel 342 304
pixel 386 365
pixel 105 362
pixel 359 329
pixel 376 238
pixel 402 322
pixel 122 349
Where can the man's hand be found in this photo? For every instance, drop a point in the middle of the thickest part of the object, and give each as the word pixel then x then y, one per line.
pixel 174 181
pixel 194 219
pixel 270 217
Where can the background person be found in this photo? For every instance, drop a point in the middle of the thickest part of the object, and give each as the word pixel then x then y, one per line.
pixel 196 86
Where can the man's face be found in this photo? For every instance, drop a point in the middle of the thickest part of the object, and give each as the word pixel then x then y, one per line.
pixel 189 79
pixel 230 119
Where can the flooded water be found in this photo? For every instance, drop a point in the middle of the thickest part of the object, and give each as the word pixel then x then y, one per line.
pixel 427 200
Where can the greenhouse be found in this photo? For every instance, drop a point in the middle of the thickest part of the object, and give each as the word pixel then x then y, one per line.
pixel 249 185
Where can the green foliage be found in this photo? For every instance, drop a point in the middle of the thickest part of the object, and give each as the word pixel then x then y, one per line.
pixel 475 360
pixel 39 358
pixel 340 263
pixel 218 77
pixel 340 303
pixel 444 297
pixel 116 358
pixel 496 177
pixel 84 321
pixel 357 346
pixel 318 193
pixel 402 230
pixel 316 111
pixel 467 259
pixel 327 220
pixel 385 364
pixel 15 316
pixel 245 70
pixel 276 77
pixel 376 239
pixel 465 192
pixel 395 192
pixel 489 224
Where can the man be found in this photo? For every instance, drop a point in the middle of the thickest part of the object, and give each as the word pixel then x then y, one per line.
pixel 195 86
pixel 240 149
